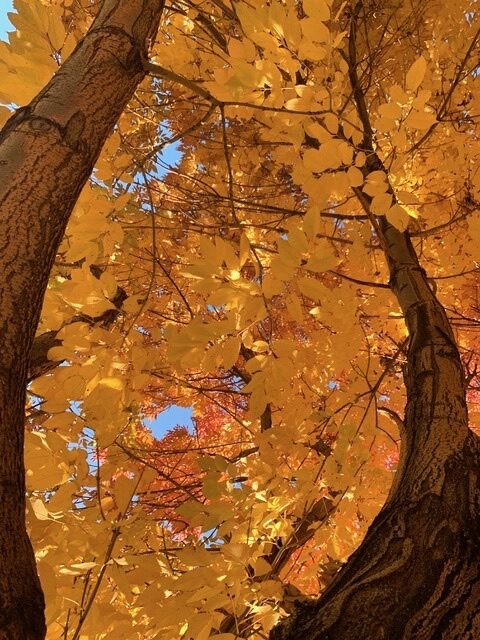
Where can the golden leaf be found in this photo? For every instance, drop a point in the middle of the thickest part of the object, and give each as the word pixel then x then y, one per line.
pixel 416 73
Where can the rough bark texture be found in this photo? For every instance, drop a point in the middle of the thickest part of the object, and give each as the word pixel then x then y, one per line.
pixel 47 152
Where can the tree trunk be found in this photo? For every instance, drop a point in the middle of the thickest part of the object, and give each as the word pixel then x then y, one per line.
pixel 416 575
pixel 47 152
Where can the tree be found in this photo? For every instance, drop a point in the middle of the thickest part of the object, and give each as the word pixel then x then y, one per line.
pixel 48 149
pixel 328 160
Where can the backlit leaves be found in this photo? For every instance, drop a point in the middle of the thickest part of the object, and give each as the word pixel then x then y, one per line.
pixel 247 284
pixel 416 73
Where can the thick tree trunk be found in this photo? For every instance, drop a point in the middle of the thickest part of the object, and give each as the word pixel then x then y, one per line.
pixel 416 575
pixel 47 152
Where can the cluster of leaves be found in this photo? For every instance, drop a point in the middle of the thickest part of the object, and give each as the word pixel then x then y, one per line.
pixel 246 282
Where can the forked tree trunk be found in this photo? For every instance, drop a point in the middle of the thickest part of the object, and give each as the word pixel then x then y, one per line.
pixel 47 152
pixel 416 575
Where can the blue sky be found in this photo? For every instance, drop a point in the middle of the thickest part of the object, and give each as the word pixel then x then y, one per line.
pixel 170 418
pixel 173 415
pixel 5 7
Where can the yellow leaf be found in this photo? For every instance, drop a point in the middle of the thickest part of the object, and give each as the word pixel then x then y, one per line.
pixel 318 9
pixel 381 203
pixel 390 110
pixel 355 177
pixel 398 217
pixel 260 346
pixel 294 308
pixel 314 30
pixel 59 353
pixel 244 249
pixel 416 73
pixel 311 288
pixel 45 468
pixel 384 125
pixel 421 120
pixel 237 551
pixel 84 566
pixel 331 122
pixel 241 49
pixel 311 51
pixel 109 284
pixel 282 270
pixel 257 403
pixel 56 30
pixel 324 257
pixel 112 383
pixel 407 197
pixel 311 222
pixel 74 386
pixel 398 95
pixel 289 252
pixel 123 491
pixel 271 285
pixel 40 510
pixel 230 349
pixel 376 183
pixel 194 556
pixel 261 567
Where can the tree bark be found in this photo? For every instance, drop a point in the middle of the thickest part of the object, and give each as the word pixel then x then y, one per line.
pixel 47 152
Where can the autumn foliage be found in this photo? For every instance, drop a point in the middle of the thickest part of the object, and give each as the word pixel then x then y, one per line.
pixel 246 281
